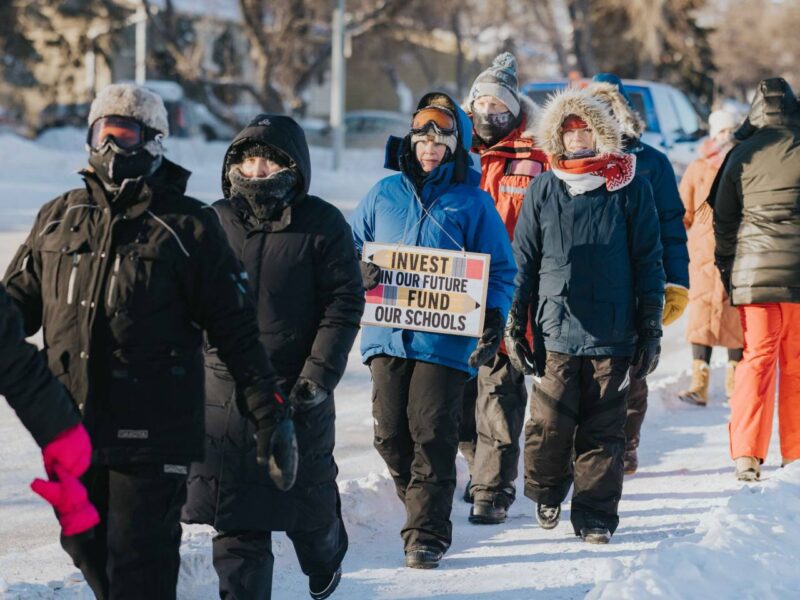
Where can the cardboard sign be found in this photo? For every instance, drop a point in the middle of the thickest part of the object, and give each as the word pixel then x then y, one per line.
pixel 427 289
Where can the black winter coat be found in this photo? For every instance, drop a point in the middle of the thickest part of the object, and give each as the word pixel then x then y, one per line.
pixel 41 403
pixel 757 203
pixel 590 265
pixel 304 272
pixel 123 287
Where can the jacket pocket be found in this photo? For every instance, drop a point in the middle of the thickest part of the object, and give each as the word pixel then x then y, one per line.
pixel 144 279
pixel 550 316
pixel 61 264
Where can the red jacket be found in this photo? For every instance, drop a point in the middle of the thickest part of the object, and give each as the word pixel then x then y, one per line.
pixel 509 167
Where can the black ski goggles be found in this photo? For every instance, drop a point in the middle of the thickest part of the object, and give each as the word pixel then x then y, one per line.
pixel 439 119
pixel 125 133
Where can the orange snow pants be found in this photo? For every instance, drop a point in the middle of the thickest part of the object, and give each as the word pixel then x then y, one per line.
pixel 771 338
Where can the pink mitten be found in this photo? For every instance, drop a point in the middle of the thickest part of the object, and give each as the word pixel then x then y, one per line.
pixel 71 449
pixel 71 501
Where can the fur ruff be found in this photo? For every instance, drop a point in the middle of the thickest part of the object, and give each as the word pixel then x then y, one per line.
pixel 573 101
pixel 631 124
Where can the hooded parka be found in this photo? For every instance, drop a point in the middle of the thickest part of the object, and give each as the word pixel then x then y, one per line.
pixel 123 285
pixel 712 320
pixel 304 272
pixel 757 202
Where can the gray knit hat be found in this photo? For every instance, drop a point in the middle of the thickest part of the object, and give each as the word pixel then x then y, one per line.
pixel 137 102
pixel 500 81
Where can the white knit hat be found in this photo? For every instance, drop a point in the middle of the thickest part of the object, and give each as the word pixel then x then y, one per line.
pixel 720 120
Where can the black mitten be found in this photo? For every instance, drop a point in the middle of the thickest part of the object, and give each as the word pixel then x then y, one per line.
pixel 493 324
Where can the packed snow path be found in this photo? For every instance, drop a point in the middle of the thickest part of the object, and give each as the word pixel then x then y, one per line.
pixel 710 536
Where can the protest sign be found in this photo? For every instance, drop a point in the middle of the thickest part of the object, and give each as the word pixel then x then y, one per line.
pixel 427 289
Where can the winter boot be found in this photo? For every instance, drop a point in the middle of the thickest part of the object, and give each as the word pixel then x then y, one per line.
pixel 697 393
pixel 548 516
pixel 730 377
pixel 468 492
pixel 748 468
pixel 595 531
pixel 322 586
pixel 487 512
pixel 423 557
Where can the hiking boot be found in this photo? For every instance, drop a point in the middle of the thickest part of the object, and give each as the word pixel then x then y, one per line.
pixel 730 377
pixel 630 460
pixel 486 512
pixel 548 516
pixel 748 468
pixel 468 492
pixel 595 531
pixel 322 586
pixel 697 394
pixel 423 557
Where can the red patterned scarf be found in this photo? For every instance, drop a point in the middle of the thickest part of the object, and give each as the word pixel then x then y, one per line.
pixel 617 169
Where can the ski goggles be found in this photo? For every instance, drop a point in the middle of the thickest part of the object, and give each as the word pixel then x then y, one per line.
pixel 127 134
pixel 439 119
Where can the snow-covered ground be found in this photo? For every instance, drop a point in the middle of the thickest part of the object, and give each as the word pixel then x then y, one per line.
pixel 687 530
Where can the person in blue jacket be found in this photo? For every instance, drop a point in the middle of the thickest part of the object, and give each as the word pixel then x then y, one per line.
pixel 654 166
pixel 589 259
pixel 418 377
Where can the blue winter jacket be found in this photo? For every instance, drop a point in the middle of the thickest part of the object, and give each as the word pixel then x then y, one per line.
pixel 590 266
pixel 457 215
pixel 654 166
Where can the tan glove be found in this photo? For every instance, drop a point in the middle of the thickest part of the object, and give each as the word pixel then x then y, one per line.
pixel 676 297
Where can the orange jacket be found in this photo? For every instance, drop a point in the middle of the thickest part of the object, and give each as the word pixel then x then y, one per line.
pixel 508 168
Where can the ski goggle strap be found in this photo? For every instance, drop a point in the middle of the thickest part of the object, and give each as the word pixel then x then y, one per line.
pixel 126 133
pixel 440 119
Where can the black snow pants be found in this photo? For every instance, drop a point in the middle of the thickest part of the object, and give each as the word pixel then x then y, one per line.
pixel 243 560
pixel 494 412
pixel 134 551
pixel 580 399
pixel 417 408
pixel 636 408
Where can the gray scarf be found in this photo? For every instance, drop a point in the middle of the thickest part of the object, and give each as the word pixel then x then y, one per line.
pixel 265 196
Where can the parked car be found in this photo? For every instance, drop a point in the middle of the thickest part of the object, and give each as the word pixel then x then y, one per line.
pixel 363 128
pixel 672 125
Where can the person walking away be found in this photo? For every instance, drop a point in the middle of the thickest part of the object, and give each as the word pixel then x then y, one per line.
pixel 589 271
pixel 123 276
pixel 654 166
pixel 712 320
pixel 49 414
pixel 298 254
pixel 757 233
pixel 419 377
pixel 494 402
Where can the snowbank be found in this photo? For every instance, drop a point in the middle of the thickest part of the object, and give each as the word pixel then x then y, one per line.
pixel 746 549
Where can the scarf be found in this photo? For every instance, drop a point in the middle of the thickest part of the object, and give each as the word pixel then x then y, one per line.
pixel 585 174
pixel 266 196
pixel 712 152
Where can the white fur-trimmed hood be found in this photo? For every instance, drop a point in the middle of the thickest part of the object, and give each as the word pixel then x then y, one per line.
pixel 631 124
pixel 578 102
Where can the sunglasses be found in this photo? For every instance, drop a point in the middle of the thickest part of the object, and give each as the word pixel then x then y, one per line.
pixel 440 120
pixel 125 133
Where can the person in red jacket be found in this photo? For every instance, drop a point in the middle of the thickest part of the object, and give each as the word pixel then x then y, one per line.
pixel 494 402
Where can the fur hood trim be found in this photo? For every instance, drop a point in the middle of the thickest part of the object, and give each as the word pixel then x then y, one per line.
pixel 574 101
pixel 631 124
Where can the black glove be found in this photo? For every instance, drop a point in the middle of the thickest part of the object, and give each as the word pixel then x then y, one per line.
pixel 306 394
pixel 486 349
pixel 276 443
pixel 648 351
pixel 523 359
pixel 370 274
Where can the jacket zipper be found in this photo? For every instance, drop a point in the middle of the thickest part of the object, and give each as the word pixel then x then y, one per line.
pixel 76 258
pixel 112 286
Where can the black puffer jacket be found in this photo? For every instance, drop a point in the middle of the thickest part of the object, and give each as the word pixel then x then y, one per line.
pixel 123 287
pixel 757 202
pixel 304 271
pixel 41 403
